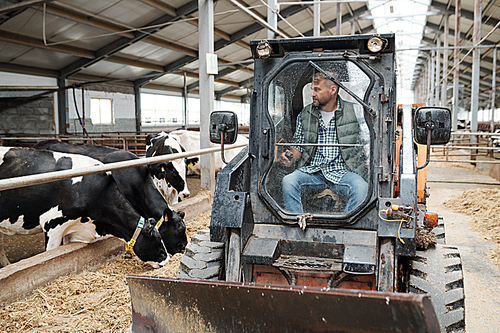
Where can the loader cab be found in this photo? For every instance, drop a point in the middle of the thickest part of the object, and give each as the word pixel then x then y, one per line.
pixel 287 91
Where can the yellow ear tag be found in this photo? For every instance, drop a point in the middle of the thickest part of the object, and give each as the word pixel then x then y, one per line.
pixel 190 165
pixel 158 225
pixel 162 169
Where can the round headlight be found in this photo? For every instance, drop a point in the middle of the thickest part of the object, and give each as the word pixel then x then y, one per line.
pixel 375 44
pixel 264 49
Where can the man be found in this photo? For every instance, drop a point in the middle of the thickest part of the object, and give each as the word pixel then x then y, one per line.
pixel 328 120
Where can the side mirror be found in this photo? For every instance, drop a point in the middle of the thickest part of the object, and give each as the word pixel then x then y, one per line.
pixel 225 122
pixel 435 119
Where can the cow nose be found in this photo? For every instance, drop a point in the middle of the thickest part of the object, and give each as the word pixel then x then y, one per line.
pixel 185 195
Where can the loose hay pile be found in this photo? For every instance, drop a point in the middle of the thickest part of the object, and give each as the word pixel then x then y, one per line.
pixel 89 302
pixel 484 208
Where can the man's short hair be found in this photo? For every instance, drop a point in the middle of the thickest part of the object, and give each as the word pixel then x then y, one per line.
pixel 318 76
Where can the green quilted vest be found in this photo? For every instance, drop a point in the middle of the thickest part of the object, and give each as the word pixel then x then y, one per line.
pixel 347 133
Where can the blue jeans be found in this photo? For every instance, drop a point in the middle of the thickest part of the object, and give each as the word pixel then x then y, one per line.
pixel 351 185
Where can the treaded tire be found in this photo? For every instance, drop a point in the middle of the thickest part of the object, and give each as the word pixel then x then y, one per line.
pixel 202 259
pixel 438 272
pixel 439 231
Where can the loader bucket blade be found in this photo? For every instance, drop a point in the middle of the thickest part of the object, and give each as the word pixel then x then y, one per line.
pixel 179 305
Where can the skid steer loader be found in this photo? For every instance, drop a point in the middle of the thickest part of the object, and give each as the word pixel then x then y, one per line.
pixel 377 267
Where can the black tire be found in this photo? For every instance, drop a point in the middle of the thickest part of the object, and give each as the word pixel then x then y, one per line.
pixel 438 272
pixel 439 231
pixel 202 259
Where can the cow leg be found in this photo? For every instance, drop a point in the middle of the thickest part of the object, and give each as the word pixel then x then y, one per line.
pixel 3 258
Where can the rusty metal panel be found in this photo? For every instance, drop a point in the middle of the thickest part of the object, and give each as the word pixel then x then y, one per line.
pixel 178 305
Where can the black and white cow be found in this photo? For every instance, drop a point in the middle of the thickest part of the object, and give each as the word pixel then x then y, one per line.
pixel 137 186
pixel 190 140
pixel 74 210
pixel 163 144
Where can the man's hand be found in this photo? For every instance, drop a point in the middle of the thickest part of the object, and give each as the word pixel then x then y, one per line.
pixel 290 156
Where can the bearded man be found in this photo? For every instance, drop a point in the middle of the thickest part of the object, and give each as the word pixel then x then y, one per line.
pixel 336 159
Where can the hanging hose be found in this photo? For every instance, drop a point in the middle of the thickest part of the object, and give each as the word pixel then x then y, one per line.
pixel 78 113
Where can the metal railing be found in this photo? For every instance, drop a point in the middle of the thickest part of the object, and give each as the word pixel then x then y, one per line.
pixel 42 178
pixel 461 141
pixel 65 139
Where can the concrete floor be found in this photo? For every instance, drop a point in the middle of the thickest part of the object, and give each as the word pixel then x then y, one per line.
pixel 481 277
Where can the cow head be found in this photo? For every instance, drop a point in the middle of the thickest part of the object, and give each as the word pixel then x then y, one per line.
pixel 149 246
pixel 173 231
pixel 168 171
pixel 174 172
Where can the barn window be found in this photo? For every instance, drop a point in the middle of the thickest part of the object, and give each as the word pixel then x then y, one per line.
pixel 101 111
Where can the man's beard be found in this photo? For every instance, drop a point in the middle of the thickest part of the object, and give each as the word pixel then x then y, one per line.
pixel 319 104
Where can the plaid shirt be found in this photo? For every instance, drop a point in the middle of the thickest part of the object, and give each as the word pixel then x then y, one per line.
pixel 326 159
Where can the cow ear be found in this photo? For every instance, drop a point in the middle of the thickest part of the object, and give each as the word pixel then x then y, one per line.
pixel 167 214
pixel 149 138
pixel 190 162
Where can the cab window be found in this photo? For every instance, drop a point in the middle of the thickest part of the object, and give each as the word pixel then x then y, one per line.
pixel 322 140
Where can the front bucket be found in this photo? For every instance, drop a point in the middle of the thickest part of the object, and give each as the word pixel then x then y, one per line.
pixel 179 305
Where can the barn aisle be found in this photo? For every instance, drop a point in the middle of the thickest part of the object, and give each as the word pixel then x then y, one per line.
pixel 481 275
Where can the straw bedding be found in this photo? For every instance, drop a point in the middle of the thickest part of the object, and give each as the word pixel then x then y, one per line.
pixel 91 301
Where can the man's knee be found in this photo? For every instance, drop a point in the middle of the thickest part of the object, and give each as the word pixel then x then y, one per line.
pixel 288 183
pixel 358 186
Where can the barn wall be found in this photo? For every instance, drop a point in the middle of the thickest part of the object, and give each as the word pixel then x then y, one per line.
pixel 21 116
pixel 33 118
pixel 123 108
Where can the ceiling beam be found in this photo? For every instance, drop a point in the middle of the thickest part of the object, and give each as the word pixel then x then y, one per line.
pixel 108 25
pixel 246 83
pixel 463 13
pixel 72 50
pixel 333 23
pixel 34 42
pixel 29 70
pixel 124 42
pixel 162 6
pixel 23 5
pixel 235 37
pixel 11 14
pixel 330 24
pixel 258 17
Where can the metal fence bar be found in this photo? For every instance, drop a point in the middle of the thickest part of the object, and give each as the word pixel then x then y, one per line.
pixel 42 178
pixel 473 148
pixel 467 161
pixel 474 133
pixel 73 139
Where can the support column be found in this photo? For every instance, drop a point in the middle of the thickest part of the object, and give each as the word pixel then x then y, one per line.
pixel 317 20
pixel 185 105
pixel 444 89
pixel 432 77
pixel 476 61
pixel 353 27
pixel 339 18
pixel 429 80
pixel 62 111
pixel 493 90
pixel 272 17
pixel 437 101
pixel 458 9
pixel 206 42
pixel 138 113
